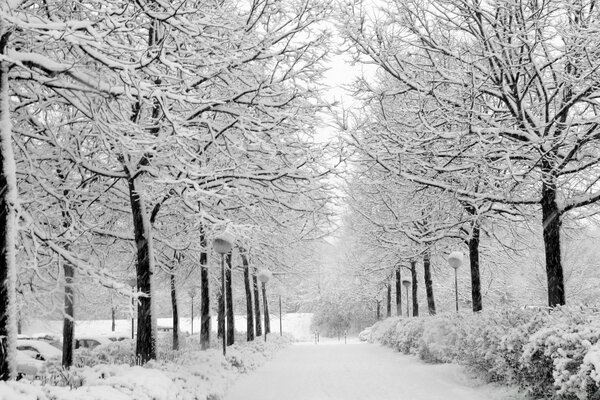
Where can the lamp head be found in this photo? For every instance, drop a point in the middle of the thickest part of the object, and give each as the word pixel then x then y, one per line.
pixel 264 275
pixel 406 282
pixel 455 259
pixel 222 243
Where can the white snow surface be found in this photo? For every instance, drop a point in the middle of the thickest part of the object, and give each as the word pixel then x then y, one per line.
pixel 295 324
pixel 361 371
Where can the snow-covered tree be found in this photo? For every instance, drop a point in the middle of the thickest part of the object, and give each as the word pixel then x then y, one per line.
pixel 515 80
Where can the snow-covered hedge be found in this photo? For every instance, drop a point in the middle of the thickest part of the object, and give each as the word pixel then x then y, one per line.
pixel 108 373
pixel 546 354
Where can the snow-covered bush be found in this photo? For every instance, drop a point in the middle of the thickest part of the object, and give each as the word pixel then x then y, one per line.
pixel 381 328
pixel 120 352
pixel 365 335
pixel 189 374
pixel 546 354
pixel 554 356
pixel 437 339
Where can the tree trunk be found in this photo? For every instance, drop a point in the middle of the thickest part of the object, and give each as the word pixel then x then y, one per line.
pixel 8 225
pixel 551 225
pixel 69 317
pixel 415 300
pixel 389 300
pixel 230 314
pixel 249 310
pixel 473 244
pixel 112 319
pixel 474 260
pixel 204 295
pixel 428 283
pixel 146 338
pixel 145 349
pixel 221 317
pixel 266 310
pixel 398 293
pixel 257 320
pixel 378 313
pixel 175 312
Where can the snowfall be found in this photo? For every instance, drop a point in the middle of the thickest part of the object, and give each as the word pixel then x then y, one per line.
pixel 289 367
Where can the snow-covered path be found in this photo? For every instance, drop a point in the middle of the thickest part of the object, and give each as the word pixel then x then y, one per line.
pixel 358 371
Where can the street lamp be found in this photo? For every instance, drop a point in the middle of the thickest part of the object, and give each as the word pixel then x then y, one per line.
pixel 222 244
pixel 455 260
pixel 132 282
pixel 264 276
pixel 406 283
pixel 192 292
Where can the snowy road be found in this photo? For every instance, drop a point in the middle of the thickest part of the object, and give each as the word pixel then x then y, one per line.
pixel 358 371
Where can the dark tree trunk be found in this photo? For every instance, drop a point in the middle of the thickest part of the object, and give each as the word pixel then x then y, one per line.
pixel 415 300
pixel 428 283
pixel 249 310
pixel 145 349
pixel 112 318
pixel 266 310
pixel 8 226
pixel 473 244
pixel 378 314
pixel 204 295
pixel 175 312
pixel 257 320
pixel 146 342
pixel 69 318
pixel 398 293
pixel 221 317
pixel 389 300
pixel 69 291
pixel 552 224
pixel 474 260
pixel 230 313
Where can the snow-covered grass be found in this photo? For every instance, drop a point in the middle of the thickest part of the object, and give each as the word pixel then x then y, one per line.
pixel 109 373
pixel 546 354
pixel 295 324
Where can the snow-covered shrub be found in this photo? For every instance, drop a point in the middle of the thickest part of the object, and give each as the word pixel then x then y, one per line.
pixel 248 356
pixel 381 328
pixel 588 376
pixel 408 334
pixel 554 356
pixel 523 324
pixel 365 335
pixel 490 343
pixel 437 339
pixel 120 352
pixel 546 354
pixel 191 375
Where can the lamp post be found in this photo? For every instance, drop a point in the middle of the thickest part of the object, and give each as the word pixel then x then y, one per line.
pixel 406 283
pixel 455 260
pixel 264 276
pixel 132 282
pixel 192 292
pixel 222 244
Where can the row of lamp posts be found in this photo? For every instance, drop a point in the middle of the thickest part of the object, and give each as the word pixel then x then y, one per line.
pixel 222 244
pixel 455 260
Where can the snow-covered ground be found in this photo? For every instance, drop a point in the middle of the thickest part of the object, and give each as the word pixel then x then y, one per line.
pixel 190 374
pixel 295 324
pixel 361 371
